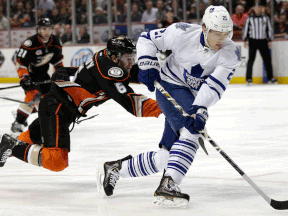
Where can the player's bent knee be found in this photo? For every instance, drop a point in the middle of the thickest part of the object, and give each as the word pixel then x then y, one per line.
pixel 55 159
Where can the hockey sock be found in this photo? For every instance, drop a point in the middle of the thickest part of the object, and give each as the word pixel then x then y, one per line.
pixel 181 157
pixel 145 164
pixel 26 150
pixel 21 116
pixel 28 153
pixel 21 151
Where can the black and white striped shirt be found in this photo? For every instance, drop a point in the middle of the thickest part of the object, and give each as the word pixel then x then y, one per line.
pixel 258 27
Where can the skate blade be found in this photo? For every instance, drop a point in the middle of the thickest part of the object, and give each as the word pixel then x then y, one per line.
pixel 164 202
pixel 99 182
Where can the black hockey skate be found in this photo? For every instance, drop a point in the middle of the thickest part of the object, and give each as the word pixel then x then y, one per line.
pixel 6 146
pixel 108 175
pixel 168 195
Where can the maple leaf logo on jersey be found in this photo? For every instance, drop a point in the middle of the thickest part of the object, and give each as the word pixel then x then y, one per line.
pixel 238 53
pixel 194 79
pixel 182 26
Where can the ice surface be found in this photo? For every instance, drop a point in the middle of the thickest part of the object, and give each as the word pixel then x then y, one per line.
pixel 249 123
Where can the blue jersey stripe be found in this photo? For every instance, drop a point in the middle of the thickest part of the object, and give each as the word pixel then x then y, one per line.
pixel 168 76
pixel 214 90
pixel 202 39
pixel 218 82
pixel 173 73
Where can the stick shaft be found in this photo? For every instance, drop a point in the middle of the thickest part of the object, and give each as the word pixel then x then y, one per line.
pixel 9 87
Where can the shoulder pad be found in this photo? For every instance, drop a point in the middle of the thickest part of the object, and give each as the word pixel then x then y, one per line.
pixel 29 42
pixel 115 72
pixel 109 69
pixel 230 55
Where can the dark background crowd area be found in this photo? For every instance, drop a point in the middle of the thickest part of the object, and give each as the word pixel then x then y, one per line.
pixel 161 12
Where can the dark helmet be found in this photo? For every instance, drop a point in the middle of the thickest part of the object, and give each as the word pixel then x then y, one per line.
pixel 120 45
pixel 44 22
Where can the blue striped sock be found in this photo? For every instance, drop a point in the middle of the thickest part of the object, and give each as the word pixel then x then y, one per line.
pixel 181 157
pixel 141 165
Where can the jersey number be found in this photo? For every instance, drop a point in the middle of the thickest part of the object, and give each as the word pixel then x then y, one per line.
pixel 22 53
pixel 230 75
pixel 120 87
pixel 161 32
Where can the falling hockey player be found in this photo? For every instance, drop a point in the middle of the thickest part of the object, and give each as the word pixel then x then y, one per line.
pixel 104 76
pixel 196 74
pixel 33 59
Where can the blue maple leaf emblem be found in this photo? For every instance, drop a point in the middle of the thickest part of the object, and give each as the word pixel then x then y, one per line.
pixel 238 53
pixel 182 26
pixel 193 78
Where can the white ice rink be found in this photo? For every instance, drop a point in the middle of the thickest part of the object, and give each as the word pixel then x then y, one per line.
pixel 249 123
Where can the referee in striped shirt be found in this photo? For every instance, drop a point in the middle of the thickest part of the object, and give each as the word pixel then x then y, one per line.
pixel 259 33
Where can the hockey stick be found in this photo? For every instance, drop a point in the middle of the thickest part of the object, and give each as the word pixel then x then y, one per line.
pixel 30 104
pixel 9 87
pixel 42 82
pixel 279 205
pixel 34 83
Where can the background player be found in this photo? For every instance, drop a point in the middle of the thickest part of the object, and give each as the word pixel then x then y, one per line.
pixel 196 74
pixel 102 77
pixel 33 59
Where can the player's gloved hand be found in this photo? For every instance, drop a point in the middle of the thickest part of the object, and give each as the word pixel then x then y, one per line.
pixel 201 116
pixel 147 77
pixel 26 83
pixel 189 124
pixel 148 71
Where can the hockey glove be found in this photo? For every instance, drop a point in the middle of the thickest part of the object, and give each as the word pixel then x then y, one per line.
pixel 26 83
pixel 201 116
pixel 189 124
pixel 148 72
pixel 147 77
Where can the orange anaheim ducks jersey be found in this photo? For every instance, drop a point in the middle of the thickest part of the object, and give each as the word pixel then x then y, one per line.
pixel 100 79
pixel 34 56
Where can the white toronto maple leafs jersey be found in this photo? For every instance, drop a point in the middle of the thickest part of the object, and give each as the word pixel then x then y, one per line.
pixel 204 71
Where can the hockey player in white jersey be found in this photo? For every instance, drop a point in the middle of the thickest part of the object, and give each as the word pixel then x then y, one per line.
pixel 196 74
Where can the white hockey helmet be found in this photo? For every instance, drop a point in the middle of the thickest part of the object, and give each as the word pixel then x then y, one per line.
pixel 217 18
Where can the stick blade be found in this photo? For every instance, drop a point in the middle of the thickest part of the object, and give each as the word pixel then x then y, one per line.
pixel 201 142
pixel 279 205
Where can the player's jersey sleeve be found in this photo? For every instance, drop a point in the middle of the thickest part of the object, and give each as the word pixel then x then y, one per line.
pixel 161 39
pixel 23 58
pixel 115 85
pixel 213 88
